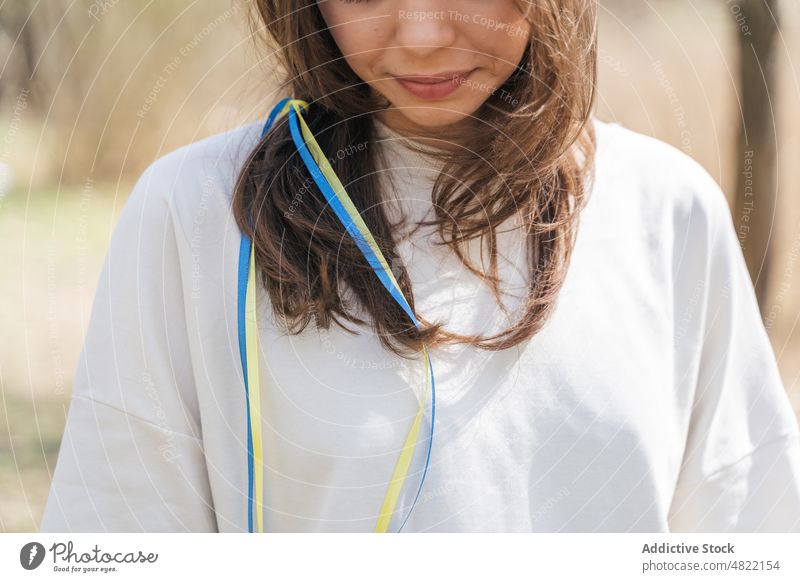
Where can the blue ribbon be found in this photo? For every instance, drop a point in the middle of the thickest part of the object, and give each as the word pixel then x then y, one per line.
pixel 369 255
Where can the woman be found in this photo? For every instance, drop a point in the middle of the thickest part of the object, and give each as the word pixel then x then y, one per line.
pixel 544 323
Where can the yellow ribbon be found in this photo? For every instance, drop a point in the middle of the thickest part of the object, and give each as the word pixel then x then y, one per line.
pixel 404 460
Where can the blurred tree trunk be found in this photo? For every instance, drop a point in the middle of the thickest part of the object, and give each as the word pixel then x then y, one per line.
pixel 756 193
pixel 16 26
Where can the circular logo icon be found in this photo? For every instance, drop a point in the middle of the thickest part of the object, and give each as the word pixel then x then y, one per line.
pixel 31 555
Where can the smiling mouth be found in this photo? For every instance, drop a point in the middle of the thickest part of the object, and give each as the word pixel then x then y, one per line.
pixel 435 78
pixel 434 86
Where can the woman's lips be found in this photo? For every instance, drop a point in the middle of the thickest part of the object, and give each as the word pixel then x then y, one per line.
pixel 435 86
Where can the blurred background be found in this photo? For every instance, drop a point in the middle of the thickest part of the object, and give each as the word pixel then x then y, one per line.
pixel 91 92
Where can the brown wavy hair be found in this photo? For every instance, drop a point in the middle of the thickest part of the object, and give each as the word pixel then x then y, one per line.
pixel 533 157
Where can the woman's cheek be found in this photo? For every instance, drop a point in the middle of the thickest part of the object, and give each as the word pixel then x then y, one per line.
pixel 361 48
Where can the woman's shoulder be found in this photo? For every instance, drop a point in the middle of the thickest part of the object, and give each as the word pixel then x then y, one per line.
pixel 652 178
pixel 217 157
pixel 197 179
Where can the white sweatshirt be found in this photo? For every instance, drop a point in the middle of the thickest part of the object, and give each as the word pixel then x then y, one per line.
pixel 651 401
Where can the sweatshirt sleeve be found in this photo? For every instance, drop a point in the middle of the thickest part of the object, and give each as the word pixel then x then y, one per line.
pixel 741 464
pixel 131 458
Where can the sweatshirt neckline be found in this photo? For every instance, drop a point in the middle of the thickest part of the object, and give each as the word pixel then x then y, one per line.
pixel 400 154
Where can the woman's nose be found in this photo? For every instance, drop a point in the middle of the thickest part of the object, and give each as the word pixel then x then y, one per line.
pixel 423 26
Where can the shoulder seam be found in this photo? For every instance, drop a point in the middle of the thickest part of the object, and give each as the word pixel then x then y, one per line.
pixel 785 437
pixel 137 417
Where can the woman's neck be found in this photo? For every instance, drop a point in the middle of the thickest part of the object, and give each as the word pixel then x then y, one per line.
pixel 438 138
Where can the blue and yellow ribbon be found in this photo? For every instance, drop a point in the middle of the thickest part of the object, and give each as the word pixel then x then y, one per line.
pixel 336 195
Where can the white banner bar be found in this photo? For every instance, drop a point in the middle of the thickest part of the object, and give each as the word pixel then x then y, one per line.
pixel 418 557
